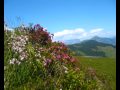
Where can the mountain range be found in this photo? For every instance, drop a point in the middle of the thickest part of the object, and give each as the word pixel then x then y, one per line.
pixel 105 40
pixel 96 38
pixel 93 48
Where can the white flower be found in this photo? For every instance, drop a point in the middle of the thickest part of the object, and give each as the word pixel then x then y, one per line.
pixel 9 43
pixel 38 51
pixel 60 89
pixel 44 58
pixel 44 63
pixel 38 55
pixel 18 62
pixel 13 61
pixel 20 50
pixel 65 68
pixel 66 71
pixel 37 60
pixel 18 46
pixel 21 58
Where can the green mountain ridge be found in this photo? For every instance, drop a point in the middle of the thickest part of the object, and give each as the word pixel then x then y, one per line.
pixel 93 48
pixel 105 40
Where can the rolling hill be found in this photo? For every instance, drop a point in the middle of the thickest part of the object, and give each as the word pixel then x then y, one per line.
pixel 105 40
pixel 93 48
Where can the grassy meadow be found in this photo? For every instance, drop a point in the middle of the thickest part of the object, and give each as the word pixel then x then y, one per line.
pixel 103 67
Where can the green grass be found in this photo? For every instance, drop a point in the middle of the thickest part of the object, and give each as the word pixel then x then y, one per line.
pixel 106 66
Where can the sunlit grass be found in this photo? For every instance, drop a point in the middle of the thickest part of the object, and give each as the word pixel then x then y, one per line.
pixel 106 66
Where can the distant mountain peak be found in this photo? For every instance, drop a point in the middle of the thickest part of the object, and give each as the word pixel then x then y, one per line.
pixel 105 40
pixel 96 37
pixel 93 48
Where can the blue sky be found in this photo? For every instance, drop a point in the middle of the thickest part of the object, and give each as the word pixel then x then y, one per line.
pixel 64 16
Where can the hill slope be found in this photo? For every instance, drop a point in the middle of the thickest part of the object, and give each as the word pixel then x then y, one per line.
pixel 102 67
pixel 93 48
pixel 105 40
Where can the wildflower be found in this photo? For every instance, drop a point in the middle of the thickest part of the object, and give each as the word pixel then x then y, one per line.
pixel 77 69
pixel 66 71
pixel 9 43
pixel 65 68
pixel 73 60
pixel 49 60
pixel 44 29
pixel 38 54
pixel 37 60
pixel 20 50
pixel 44 58
pixel 18 46
pixel 65 56
pixel 91 71
pixel 18 62
pixel 23 56
pixel 44 63
pixel 58 56
pixel 12 61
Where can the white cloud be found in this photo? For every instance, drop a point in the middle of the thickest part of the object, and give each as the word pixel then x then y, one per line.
pixel 69 32
pixel 80 33
pixel 96 30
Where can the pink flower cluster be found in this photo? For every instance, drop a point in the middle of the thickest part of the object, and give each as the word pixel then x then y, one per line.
pixel 60 51
pixel 57 51
pixel 47 61
pixel 40 35
pixel 43 46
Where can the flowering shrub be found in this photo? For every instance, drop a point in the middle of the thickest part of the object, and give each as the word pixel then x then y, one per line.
pixel 33 61
pixel 40 35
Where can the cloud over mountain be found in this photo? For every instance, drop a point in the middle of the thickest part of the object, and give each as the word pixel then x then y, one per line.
pixel 80 33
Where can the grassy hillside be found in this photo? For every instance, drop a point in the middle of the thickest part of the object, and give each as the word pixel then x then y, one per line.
pixel 103 66
pixel 105 40
pixel 93 48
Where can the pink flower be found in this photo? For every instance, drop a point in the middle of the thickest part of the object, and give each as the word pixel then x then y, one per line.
pixel 73 60
pixel 65 56
pixel 45 64
pixel 44 29
pixel 49 60
pixel 58 57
